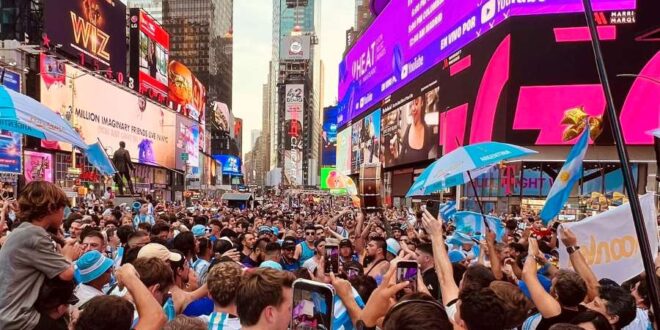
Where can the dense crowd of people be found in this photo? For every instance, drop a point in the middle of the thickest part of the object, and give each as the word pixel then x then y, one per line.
pixel 157 265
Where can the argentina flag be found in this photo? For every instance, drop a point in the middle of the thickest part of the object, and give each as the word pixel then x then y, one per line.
pixel 471 223
pixel 569 174
pixel 447 210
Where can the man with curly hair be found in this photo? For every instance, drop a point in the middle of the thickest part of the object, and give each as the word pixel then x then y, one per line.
pixel 223 282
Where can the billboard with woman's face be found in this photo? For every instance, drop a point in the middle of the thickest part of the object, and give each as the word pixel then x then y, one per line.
pixel 410 128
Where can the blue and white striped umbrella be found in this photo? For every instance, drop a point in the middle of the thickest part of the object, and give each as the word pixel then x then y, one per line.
pixel 452 169
pixel 22 114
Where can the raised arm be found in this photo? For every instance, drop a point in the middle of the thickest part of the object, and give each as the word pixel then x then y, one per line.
pixel 545 303
pixel 580 264
pixel 448 286
pixel 495 263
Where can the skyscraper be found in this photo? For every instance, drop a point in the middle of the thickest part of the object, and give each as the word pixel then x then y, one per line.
pixel 362 15
pixel 153 7
pixel 295 68
pixel 201 37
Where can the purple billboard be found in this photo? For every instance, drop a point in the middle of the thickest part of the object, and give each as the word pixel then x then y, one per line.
pixel 411 36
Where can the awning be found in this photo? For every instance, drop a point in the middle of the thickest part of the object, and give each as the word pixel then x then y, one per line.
pixel 236 197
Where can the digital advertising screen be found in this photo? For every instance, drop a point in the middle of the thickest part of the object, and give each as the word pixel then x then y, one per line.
pixel 410 126
pixel 365 141
pixel 230 164
pixel 329 156
pixel 332 180
pixel 294 123
pixel 89 30
pixel 221 116
pixel 38 166
pixel 11 146
pixel 187 141
pixel 388 56
pixel 149 55
pixel 515 85
pixel 344 151
pixel 187 95
pixel 112 116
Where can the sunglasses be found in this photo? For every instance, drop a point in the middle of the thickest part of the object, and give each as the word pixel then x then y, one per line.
pixel 310 233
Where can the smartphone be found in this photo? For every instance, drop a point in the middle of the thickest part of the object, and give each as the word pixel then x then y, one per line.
pixel 312 305
pixel 407 271
pixel 331 259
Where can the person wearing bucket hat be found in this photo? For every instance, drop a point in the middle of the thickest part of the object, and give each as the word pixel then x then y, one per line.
pixel 198 231
pixel 393 248
pixel 93 271
pixel 270 264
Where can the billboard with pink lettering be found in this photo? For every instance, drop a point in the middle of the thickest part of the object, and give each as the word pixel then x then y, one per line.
pixel 411 36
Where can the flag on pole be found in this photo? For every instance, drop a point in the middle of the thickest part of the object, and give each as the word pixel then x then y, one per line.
pixel 471 223
pixel 570 173
pixel 447 210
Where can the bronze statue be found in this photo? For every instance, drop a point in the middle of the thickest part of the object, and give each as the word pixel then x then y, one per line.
pixel 122 161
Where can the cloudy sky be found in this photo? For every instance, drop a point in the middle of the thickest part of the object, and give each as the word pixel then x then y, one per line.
pixel 252 52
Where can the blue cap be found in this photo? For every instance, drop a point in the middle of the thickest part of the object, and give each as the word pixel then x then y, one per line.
pixel 276 231
pixel 199 230
pixel 91 266
pixel 271 264
pixel 265 229
pixel 456 256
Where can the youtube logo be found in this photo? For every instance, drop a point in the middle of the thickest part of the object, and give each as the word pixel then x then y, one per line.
pixel 487 11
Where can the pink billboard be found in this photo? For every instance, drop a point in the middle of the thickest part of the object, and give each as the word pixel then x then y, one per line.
pixel 38 166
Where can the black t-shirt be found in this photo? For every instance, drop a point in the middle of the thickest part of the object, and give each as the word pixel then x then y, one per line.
pixel 248 262
pixel 566 316
pixel 430 278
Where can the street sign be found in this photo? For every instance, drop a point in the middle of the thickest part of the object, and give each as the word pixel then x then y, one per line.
pixel 184 156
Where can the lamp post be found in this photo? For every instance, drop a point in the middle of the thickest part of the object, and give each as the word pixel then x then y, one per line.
pixel 628 180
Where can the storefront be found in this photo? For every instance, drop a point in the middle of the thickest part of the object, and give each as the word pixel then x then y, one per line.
pixel 523 186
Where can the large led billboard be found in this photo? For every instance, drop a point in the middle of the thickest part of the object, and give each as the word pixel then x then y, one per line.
pixel 11 143
pixel 186 93
pixel 387 56
pixel 294 123
pixel 149 55
pixel 410 125
pixel 187 142
pixel 365 141
pixel 344 151
pixel 38 166
pixel 230 164
pixel 515 85
pixel 91 31
pixel 104 111
pixel 329 154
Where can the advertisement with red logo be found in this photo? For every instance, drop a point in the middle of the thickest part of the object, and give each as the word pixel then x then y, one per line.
pixel 149 55
pixel 91 31
pixel 186 92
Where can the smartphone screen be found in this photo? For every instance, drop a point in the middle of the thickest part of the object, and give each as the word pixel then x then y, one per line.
pixel 312 306
pixel 407 271
pixel 331 259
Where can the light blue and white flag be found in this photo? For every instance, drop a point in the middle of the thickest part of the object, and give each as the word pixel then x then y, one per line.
pixel 471 223
pixel 570 173
pixel 447 210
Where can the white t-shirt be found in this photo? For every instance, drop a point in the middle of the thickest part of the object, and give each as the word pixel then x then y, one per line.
pixel 85 293
pixel 310 264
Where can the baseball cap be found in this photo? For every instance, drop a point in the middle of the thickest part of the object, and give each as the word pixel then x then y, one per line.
pixel 91 266
pixel 265 230
pixel 155 250
pixel 345 243
pixel 270 264
pixel 393 246
pixel 198 230
pixel 276 231
pixel 288 245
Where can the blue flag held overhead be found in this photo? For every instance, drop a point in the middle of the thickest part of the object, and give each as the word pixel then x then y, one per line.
pixel 471 223
pixel 447 210
pixel 570 173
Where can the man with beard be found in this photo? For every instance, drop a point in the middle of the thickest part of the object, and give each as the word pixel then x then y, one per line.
pixel 247 241
pixel 375 263
pixel 257 255
pixel 30 255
